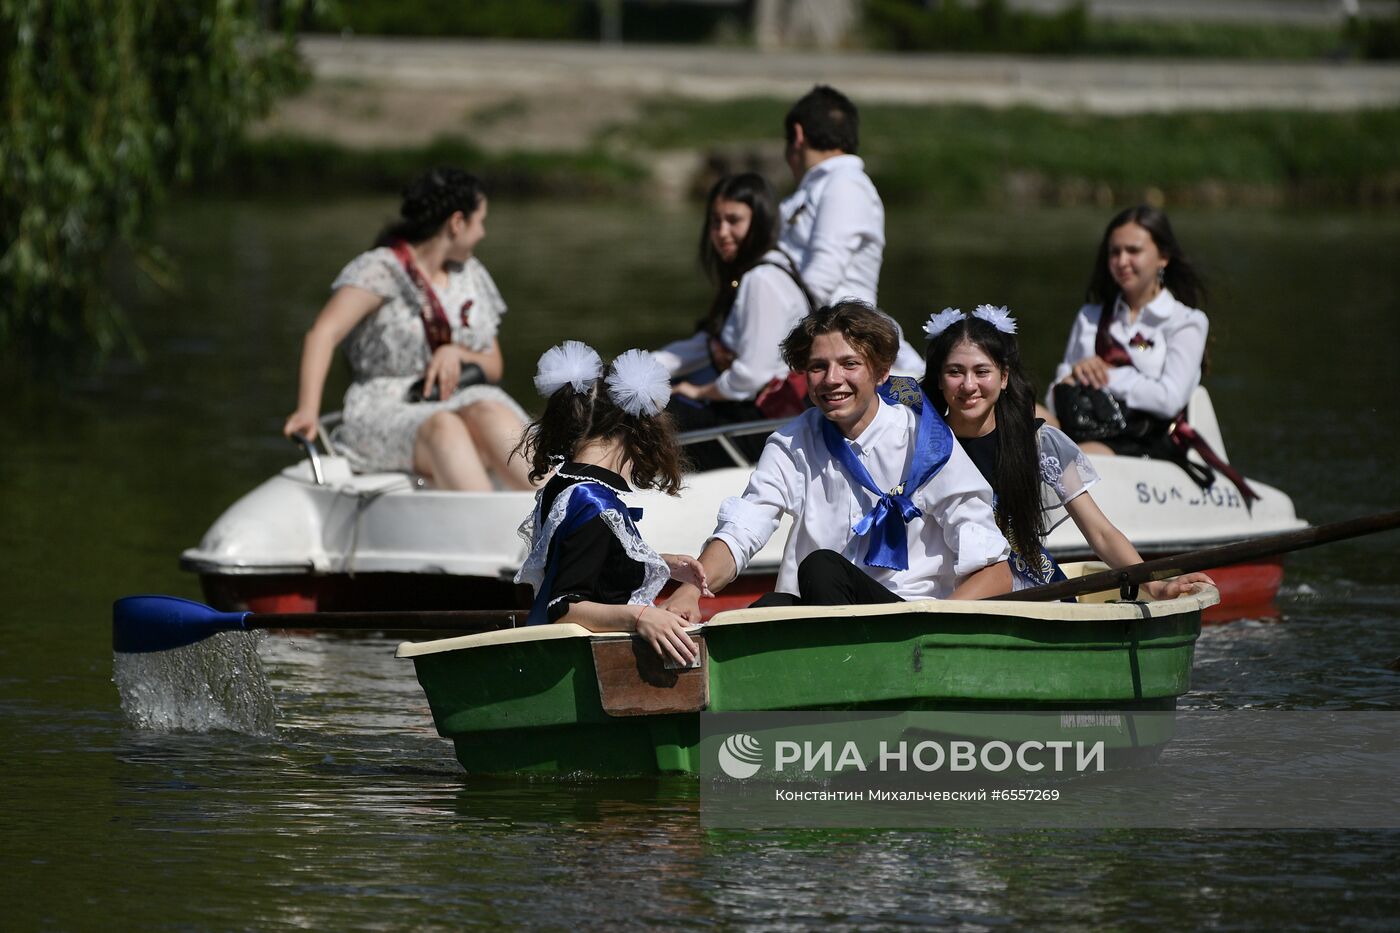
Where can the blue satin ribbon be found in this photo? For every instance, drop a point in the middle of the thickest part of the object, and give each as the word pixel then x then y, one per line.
pixel 586 502
pixel 887 523
pixel 1036 570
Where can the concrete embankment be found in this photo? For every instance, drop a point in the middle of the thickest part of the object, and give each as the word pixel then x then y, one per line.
pixel 673 113
pixel 370 91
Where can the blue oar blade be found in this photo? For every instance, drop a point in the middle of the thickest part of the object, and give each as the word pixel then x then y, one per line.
pixel 159 623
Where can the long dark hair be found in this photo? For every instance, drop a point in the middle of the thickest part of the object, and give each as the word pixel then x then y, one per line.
pixel 428 201
pixel 1180 277
pixel 572 419
pixel 751 189
pixel 1017 483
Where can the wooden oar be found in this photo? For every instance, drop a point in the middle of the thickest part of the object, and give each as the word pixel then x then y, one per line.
pixel 1128 579
pixel 159 623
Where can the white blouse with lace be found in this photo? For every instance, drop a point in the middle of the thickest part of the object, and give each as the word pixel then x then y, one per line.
pixel 388 352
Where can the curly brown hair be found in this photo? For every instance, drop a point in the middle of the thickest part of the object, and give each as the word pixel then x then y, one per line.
pixel 572 419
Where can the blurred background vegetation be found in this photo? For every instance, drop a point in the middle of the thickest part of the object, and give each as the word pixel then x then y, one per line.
pixel 112 105
pixel 1002 26
pixel 107 105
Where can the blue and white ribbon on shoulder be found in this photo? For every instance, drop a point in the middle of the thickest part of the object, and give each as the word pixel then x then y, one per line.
pixel 574 508
pixel 887 523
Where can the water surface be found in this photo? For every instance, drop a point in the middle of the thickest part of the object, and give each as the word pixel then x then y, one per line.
pixel 353 813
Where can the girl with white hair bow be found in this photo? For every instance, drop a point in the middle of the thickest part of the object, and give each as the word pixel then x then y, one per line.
pixel 601 428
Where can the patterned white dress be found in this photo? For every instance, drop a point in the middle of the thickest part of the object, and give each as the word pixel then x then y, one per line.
pixel 388 352
pixel 1065 473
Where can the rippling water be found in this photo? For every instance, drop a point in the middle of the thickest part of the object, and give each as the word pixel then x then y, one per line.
pixel 339 806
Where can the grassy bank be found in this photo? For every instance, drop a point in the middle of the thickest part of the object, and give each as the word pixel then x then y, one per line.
pixel 936 155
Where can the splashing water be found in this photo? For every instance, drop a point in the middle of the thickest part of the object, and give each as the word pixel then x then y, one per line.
pixel 215 684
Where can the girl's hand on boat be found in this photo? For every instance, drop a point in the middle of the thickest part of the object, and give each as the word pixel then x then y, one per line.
pixel 300 422
pixel 1091 371
pixel 444 370
pixel 1177 586
pixel 665 632
pixel 686 569
pixel 686 390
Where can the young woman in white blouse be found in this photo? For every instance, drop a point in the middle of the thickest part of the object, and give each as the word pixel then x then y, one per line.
pixel 418 317
pixel 974 376
pixel 733 360
pixel 1140 337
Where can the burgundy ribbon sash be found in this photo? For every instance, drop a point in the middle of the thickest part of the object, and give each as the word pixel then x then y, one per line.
pixel 435 325
pixel 1181 433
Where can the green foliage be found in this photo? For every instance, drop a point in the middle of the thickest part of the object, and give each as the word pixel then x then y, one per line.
pixel 986 26
pixel 653 21
pixel 963 155
pixel 498 19
pixel 990 26
pixel 107 103
pixel 1377 37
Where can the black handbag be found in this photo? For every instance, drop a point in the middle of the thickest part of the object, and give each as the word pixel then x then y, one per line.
pixel 1088 414
pixel 471 375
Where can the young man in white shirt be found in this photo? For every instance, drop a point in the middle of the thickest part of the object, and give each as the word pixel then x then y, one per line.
pixel 929 536
pixel 834 223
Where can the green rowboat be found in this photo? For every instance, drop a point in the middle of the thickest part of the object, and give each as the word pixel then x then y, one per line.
pixel 561 699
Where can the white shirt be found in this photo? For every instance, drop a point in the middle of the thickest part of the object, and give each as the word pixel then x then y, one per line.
pixel 834 225
pixel 955 536
pixel 1166 363
pixel 766 308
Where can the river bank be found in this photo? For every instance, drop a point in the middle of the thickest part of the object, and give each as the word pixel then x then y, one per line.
pixel 567 119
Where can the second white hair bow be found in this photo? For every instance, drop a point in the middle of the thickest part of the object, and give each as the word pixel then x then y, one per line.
pixel 571 363
pixel 639 384
pixel 1000 318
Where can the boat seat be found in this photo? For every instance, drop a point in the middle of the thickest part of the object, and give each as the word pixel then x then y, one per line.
pixel 1200 414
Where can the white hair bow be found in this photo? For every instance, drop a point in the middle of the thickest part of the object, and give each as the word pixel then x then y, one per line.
pixel 999 318
pixel 571 363
pixel 639 384
pixel 938 323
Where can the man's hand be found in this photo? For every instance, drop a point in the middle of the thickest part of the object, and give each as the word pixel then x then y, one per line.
pixel 687 569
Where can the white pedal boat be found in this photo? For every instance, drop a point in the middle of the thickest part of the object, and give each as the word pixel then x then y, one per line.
pixel 319 537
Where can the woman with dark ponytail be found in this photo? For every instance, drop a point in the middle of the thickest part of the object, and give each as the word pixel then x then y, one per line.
pixel 974 376
pixel 587 563
pixel 418 315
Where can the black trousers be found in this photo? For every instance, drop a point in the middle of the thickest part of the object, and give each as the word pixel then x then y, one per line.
pixel 825 578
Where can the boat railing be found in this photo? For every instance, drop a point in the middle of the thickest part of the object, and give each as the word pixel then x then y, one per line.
pixel 323 434
pixel 721 434
pixel 724 433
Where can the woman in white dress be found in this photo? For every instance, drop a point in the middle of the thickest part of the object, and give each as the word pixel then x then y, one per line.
pixel 418 315
pixel 974 375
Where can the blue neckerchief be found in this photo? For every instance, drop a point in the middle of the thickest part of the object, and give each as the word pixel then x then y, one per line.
pixel 889 519
pixel 587 500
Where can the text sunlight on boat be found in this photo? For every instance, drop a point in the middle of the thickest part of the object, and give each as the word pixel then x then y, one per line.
pixel 217 684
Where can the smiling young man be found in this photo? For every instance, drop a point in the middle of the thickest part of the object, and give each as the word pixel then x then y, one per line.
pixel 886 506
